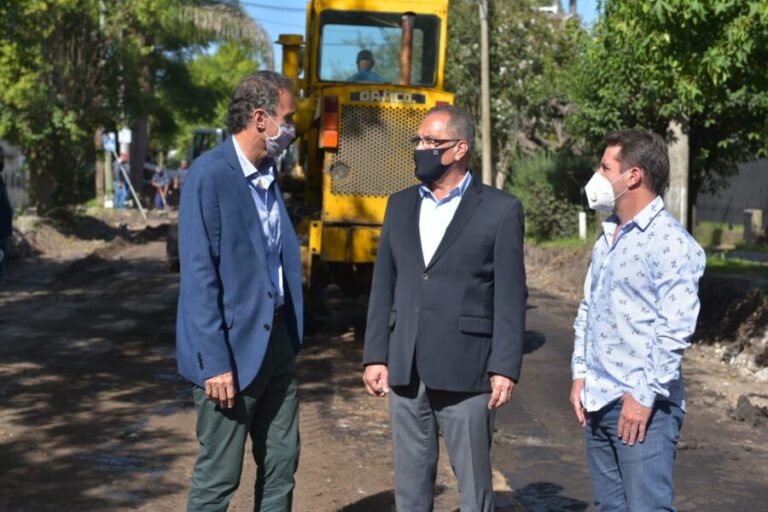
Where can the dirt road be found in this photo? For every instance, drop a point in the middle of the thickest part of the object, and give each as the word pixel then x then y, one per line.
pixel 94 418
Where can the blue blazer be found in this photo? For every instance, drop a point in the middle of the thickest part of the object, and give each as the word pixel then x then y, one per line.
pixel 226 308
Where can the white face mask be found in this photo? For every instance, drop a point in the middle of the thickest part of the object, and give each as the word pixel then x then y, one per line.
pixel 600 192
pixel 277 144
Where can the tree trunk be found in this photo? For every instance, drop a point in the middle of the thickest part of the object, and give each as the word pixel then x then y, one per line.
pixel 99 158
pixel 43 184
pixel 139 147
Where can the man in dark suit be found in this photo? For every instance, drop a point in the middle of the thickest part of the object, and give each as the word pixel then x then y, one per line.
pixel 239 321
pixel 446 316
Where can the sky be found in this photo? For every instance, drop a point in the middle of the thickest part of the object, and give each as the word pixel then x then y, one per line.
pixel 289 17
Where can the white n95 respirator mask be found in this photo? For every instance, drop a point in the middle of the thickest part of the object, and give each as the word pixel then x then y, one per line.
pixel 600 192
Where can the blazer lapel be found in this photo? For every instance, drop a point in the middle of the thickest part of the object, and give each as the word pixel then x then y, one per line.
pixel 469 203
pixel 247 206
pixel 413 234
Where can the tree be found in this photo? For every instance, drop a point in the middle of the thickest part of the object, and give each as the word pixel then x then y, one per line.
pixel 196 93
pixel 158 38
pixel 53 71
pixel 530 56
pixel 68 67
pixel 699 63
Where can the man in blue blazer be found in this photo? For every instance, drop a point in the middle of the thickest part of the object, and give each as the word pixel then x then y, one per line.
pixel 446 316
pixel 239 323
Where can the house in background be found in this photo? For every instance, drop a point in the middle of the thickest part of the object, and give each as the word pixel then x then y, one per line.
pixel 15 175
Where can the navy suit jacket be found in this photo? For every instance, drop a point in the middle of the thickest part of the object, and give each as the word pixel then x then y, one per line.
pixel 226 308
pixel 462 316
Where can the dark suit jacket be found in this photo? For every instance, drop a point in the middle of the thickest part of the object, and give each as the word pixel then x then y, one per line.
pixel 462 316
pixel 225 306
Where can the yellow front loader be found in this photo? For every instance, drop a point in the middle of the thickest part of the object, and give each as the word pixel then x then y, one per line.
pixel 365 74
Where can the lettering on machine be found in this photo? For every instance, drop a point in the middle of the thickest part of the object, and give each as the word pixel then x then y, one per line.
pixel 388 97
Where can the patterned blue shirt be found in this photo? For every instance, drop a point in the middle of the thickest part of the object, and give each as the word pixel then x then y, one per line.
pixel 265 199
pixel 639 310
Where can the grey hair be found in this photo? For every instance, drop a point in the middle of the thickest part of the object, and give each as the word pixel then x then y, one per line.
pixel 461 124
pixel 260 90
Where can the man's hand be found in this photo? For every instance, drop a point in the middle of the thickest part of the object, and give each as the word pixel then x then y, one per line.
pixel 221 389
pixel 578 407
pixel 376 379
pixel 633 420
pixel 501 390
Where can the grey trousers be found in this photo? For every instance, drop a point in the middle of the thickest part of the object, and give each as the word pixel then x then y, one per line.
pixel 418 415
pixel 267 411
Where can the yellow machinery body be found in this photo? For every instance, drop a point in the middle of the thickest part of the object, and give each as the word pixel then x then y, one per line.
pixel 354 130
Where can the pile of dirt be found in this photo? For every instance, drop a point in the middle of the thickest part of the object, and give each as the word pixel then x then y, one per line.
pixel 95 233
pixel 750 413
pixel 734 318
pixel 559 271
pixel 733 322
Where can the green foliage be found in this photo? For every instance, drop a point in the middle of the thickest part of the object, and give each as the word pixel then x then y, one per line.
pixel 549 186
pixel 69 67
pixel 699 63
pixel 530 57
pixel 196 92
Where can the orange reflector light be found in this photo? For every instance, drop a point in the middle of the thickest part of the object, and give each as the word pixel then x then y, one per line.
pixel 330 122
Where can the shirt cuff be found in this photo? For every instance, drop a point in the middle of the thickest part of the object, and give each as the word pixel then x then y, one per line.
pixel 644 394
pixel 578 370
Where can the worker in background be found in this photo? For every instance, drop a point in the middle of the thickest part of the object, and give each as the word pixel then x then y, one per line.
pixel 365 71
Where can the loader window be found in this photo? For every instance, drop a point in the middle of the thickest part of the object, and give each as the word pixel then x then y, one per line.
pixel 364 47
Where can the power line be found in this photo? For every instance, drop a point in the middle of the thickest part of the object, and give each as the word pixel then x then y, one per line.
pixel 296 25
pixel 274 8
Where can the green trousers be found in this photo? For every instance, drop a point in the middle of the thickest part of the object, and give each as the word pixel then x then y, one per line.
pixel 268 411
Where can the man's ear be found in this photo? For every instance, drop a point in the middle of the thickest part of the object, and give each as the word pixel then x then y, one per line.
pixel 637 177
pixel 259 118
pixel 462 148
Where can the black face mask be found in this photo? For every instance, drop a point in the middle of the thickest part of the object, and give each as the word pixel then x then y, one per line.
pixel 429 169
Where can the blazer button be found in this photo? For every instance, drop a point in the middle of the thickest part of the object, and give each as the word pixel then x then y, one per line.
pixel 267 327
pixel 425 276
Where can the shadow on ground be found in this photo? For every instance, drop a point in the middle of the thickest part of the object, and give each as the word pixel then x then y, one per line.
pixel 87 358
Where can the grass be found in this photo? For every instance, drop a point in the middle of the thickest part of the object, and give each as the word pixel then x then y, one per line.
pixel 721 264
pixel 93 203
pixel 718 234
pixel 752 247
pixel 559 243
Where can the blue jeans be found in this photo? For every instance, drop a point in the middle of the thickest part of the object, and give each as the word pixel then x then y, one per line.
pixel 633 478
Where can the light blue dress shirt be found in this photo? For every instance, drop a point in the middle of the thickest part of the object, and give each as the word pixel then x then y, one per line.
pixel 639 310
pixel 435 215
pixel 263 192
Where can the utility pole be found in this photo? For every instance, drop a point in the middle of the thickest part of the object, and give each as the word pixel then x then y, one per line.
pixel 572 9
pixel 676 198
pixel 485 94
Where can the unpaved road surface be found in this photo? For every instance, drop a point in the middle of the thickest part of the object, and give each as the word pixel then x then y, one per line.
pixel 93 416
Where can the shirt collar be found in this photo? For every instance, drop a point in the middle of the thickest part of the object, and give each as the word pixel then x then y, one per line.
pixel 458 191
pixel 642 220
pixel 267 167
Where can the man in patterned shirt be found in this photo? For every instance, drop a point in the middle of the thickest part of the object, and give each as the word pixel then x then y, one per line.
pixel 638 313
